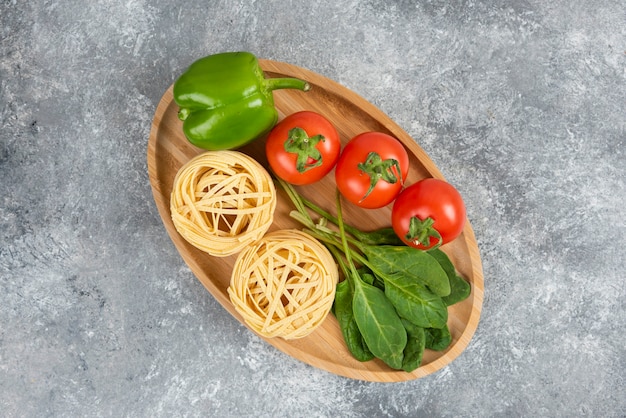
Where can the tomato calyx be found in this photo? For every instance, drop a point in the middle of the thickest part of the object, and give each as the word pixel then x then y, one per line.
pixel 308 156
pixel 421 231
pixel 378 169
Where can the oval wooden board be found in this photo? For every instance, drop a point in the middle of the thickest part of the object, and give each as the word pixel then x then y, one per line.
pixel 168 150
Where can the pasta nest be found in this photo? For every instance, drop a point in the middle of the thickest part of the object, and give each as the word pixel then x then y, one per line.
pixel 222 201
pixel 284 285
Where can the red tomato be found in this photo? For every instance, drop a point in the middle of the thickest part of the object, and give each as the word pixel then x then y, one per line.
pixel 303 148
pixel 371 169
pixel 428 213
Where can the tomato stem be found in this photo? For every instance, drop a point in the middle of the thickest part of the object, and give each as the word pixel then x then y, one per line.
pixel 307 155
pixel 422 231
pixel 377 168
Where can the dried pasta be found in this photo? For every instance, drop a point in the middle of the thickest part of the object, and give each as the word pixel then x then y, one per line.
pixel 284 285
pixel 222 201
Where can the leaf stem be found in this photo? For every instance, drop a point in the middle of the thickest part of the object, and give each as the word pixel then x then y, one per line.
pixel 342 234
pixel 338 241
pixel 296 199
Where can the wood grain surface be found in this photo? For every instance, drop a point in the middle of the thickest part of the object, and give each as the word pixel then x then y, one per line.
pixel 168 150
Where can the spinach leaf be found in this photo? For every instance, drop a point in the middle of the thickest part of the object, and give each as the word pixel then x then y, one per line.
pixel 369 277
pixel 349 328
pixel 414 350
pixel 382 236
pixel 410 262
pixel 459 288
pixel 379 323
pixel 438 339
pixel 415 302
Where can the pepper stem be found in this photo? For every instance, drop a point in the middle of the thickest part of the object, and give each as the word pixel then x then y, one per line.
pixel 286 83
pixel 183 113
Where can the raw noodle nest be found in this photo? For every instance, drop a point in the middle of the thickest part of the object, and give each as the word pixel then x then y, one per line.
pixel 222 201
pixel 284 285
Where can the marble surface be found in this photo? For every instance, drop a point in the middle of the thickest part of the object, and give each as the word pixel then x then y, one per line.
pixel 520 103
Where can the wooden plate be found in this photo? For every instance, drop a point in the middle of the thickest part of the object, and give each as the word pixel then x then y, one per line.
pixel 168 150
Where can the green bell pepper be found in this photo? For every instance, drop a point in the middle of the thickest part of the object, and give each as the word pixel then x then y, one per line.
pixel 225 100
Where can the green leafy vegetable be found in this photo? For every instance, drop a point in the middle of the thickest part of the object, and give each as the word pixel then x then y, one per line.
pixel 414 302
pixel 379 323
pixel 438 339
pixel 375 316
pixel 392 303
pixel 369 277
pixel 459 288
pixel 414 350
pixel 349 328
pixel 409 262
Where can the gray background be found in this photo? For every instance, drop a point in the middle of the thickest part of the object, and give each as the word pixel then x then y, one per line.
pixel 520 103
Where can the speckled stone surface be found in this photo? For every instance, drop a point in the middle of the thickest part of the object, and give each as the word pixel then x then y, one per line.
pixel 520 104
